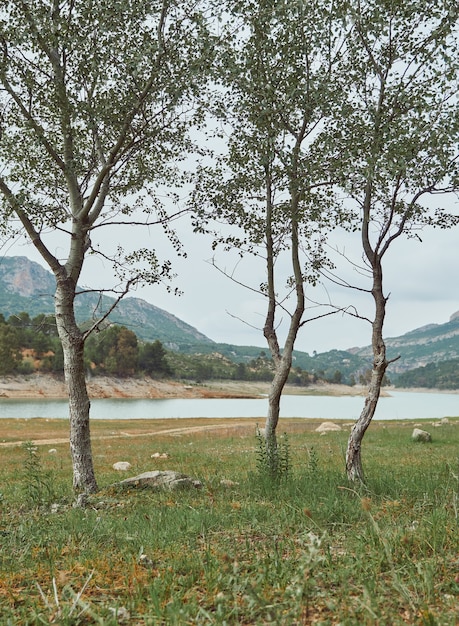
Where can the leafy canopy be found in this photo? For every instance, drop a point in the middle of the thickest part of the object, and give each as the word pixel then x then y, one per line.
pixel 96 99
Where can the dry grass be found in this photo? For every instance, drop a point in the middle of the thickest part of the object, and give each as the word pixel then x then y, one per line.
pixel 314 550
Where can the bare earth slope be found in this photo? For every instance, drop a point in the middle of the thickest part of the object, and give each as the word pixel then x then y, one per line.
pixel 47 386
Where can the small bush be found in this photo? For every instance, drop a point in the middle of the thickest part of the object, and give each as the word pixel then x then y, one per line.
pixel 38 483
pixel 273 457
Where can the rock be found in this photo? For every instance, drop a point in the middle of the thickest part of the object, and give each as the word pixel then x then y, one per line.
pixel 121 614
pixel 122 466
pixel 327 426
pixel 444 421
pixel 226 482
pixel 52 451
pixel 160 455
pixel 145 561
pixel 162 480
pixel 421 435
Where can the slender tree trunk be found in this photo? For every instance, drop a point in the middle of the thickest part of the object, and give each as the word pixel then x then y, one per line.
pixel 275 394
pixel 73 348
pixel 354 468
pixel 282 361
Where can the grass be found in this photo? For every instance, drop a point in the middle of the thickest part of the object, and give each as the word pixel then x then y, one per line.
pixel 309 549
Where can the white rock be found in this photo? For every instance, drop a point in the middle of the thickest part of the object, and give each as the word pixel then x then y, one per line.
pixel 162 480
pixel 121 614
pixel 52 451
pixel 421 435
pixel 121 466
pixel 145 561
pixel 327 426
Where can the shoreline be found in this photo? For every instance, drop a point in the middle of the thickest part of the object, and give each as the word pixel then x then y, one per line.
pixel 47 386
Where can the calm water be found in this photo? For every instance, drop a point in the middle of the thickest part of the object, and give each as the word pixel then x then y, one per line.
pixel 400 405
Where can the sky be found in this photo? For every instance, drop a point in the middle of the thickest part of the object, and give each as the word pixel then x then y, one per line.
pixel 421 279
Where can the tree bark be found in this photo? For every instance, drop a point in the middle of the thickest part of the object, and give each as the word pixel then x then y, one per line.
pixel 282 361
pixel 72 340
pixel 354 468
pixel 275 394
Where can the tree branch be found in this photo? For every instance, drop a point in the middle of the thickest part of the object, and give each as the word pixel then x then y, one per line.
pixel 125 291
pixel 28 226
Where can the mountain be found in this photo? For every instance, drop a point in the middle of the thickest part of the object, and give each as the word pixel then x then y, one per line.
pixel 429 344
pixel 27 286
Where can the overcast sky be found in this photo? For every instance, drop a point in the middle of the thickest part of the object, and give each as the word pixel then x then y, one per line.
pixel 420 277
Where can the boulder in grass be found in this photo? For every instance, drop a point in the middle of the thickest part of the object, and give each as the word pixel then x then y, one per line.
pixel 327 426
pixel 121 466
pixel 421 436
pixel 168 479
pixel 226 482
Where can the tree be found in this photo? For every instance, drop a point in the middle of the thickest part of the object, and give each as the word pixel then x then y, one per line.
pixel 153 359
pixel 45 325
pixel 10 349
pixel 44 334
pixel 123 355
pixel 269 186
pixel 96 102
pixel 395 144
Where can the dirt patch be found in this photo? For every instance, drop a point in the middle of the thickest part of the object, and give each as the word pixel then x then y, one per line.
pixel 171 431
pixel 51 432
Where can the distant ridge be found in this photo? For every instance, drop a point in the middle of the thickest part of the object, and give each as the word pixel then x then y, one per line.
pixel 431 343
pixel 27 286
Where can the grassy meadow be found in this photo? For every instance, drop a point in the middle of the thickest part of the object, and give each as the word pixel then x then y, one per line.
pixel 307 548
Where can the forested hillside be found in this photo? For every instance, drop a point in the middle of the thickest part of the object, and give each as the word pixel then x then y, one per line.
pixel 32 344
pixel 29 340
pixel 443 375
pixel 428 344
pixel 26 286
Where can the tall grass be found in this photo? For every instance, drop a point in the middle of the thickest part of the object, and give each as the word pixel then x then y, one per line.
pixel 309 549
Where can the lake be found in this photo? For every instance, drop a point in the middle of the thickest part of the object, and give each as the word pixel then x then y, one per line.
pixel 399 405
